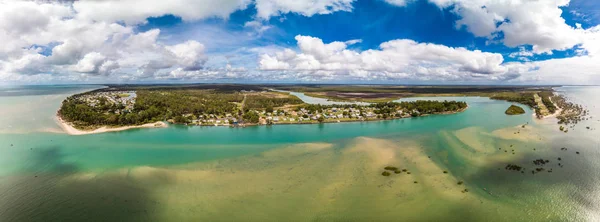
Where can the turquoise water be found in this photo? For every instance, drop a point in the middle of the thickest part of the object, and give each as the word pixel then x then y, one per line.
pixel 182 144
pixel 284 172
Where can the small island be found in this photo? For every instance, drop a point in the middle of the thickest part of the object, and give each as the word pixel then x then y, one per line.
pixel 514 110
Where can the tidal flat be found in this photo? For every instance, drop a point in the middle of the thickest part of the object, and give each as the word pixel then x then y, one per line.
pixel 309 181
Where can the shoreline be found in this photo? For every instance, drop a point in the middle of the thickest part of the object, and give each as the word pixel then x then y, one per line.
pixel 69 129
pixel 556 113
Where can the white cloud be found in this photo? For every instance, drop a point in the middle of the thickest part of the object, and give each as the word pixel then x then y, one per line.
pixel 90 63
pixel 396 59
pixel 136 11
pixel 399 2
pixel 353 41
pixel 523 54
pixel 81 40
pixel 99 37
pixel 258 27
pixel 575 70
pixel 521 22
pixel 56 40
pixel 268 8
pixel 189 54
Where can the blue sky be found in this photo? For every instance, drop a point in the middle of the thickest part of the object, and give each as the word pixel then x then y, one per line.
pixel 379 41
pixel 373 21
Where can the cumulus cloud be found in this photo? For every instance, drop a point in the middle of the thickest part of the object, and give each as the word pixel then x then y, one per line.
pixel 90 63
pixel 518 22
pixel 99 37
pixel 87 39
pixel 396 59
pixel 136 11
pixel 74 45
pixel 189 54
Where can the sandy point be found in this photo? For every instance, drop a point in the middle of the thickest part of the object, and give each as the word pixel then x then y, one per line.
pixel 69 129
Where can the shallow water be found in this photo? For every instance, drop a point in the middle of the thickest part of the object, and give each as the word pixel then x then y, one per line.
pixel 304 172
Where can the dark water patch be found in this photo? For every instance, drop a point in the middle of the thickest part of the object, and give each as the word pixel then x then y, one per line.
pixel 49 160
pixel 49 188
pixel 55 197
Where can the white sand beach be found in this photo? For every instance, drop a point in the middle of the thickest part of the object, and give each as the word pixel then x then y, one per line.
pixel 69 129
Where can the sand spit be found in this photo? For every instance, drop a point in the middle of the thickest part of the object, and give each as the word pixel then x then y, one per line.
pixel 69 129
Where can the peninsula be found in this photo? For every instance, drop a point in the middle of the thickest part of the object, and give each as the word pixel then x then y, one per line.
pixel 124 107
pixel 121 107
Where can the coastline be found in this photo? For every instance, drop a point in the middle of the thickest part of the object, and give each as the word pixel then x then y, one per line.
pixel 69 129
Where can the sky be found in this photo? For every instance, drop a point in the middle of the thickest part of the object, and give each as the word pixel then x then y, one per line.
pixel 508 42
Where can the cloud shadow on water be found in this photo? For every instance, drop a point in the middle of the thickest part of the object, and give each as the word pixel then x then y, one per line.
pixel 53 190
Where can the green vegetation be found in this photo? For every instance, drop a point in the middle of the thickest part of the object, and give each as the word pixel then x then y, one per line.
pixel 514 110
pixel 547 102
pixel 187 102
pixel 251 117
pixel 261 102
pixel 523 98
pixel 391 168
pixel 151 106
pixel 321 119
pixel 390 109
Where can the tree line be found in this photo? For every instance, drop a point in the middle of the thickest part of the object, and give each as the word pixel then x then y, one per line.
pixel 150 106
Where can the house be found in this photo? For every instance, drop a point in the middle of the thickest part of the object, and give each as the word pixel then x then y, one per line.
pixel 276 119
